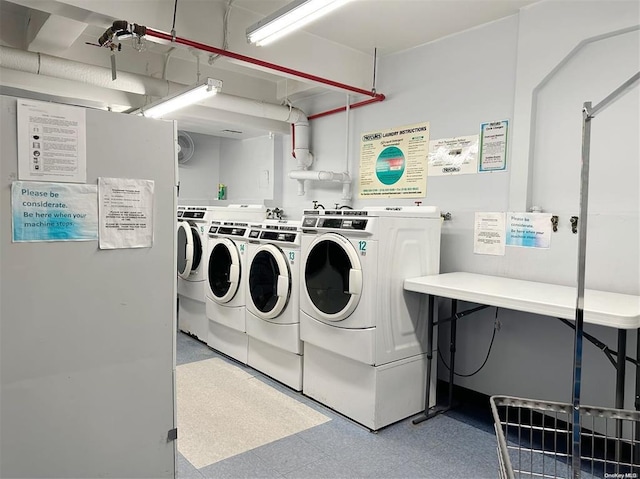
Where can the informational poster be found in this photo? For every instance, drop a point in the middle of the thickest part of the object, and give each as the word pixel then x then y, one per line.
pixel 488 234
pixel 453 156
pixel 529 230
pixel 493 146
pixel 126 213
pixel 51 142
pixel 53 211
pixel 393 163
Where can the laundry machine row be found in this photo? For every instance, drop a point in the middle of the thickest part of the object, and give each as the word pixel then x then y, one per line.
pixel 193 223
pixel 319 305
pixel 364 336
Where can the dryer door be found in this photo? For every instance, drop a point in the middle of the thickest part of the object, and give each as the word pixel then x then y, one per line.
pixel 269 281
pixel 185 249
pixel 224 270
pixel 189 248
pixel 333 277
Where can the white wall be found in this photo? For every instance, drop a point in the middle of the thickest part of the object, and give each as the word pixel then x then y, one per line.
pixel 489 73
pixel 199 177
pixel 247 168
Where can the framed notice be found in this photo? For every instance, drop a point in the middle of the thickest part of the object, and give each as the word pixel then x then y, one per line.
pixel 393 163
pixel 493 146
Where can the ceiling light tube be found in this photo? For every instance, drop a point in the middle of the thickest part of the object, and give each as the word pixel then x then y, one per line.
pixel 289 18
pixel 182 99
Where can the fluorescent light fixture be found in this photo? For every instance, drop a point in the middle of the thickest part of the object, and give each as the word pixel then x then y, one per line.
pixel 289 18
pixel 181 99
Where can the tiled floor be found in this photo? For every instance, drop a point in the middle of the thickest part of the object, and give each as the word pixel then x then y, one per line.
pixel 458 444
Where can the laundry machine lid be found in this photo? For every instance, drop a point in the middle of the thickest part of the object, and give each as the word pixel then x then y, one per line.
pixel 224 270
pixel 333 277
pixel 189 249
pixel 269 281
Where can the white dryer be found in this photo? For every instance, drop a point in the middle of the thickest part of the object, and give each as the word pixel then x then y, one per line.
pixel 272 297
pixel 364 335
pixel 193 223
pixel 226 281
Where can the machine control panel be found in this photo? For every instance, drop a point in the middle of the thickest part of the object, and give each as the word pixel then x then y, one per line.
pixel 180 213
pixel 254 234
pixel 278 236
pixel 354 224
pixel 232 231
pixel 193 214
pixel 309 222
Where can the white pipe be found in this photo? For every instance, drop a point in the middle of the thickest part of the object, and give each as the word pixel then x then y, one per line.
pixel 319 175
pixel 47 65
pixel 346 186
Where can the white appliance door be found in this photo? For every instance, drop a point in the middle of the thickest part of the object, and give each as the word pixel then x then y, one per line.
pixel 269 281
pixel 189 249
pixel 333 277
pixel 224 270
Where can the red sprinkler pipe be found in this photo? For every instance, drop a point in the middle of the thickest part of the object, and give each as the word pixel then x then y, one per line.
pixel 272 66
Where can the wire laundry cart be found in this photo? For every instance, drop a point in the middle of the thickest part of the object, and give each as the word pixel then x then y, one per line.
pixel 535 440
pixel 544 439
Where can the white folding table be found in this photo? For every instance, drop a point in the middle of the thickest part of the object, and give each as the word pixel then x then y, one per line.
pixel 614 310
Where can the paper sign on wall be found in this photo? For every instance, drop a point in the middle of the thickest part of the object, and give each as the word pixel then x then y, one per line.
pixel 53 212
pixel 51 142
pixel 126 213
pixel 529 230
pixel 488 234
pixel 493 145
pixel 453 156
pixel 393 163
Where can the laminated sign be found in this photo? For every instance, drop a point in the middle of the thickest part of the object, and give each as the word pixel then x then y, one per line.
pixel 393 163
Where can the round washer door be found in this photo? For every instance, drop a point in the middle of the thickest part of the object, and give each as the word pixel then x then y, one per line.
pixel 333 277
pixel 269 281
pixel 185 249
pixel 224 270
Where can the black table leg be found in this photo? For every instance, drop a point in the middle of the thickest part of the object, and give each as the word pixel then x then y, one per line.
pixel 430 315
pixel 452 348
pixel 621 368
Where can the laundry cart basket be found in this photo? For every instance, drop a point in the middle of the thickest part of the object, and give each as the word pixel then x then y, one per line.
pixel 535 438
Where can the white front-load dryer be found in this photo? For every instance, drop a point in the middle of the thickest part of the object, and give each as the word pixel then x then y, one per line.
pixel 272 298
pixel 364 336
pixel 225 288
pixel 192 226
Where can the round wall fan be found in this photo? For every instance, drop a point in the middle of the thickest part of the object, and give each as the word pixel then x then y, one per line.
pixel 185 147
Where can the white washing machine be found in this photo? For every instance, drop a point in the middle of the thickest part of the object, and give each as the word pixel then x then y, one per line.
pixel 226 282
pixel 193 224
pixel 364 336
pixel 272 298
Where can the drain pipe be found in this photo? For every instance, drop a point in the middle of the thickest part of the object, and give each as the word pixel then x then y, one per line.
pixel 346 186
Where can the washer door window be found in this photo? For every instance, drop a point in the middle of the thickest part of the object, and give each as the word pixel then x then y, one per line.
pixel 189 249
pixel 224 270
pixel 333 277
pixel 269 281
